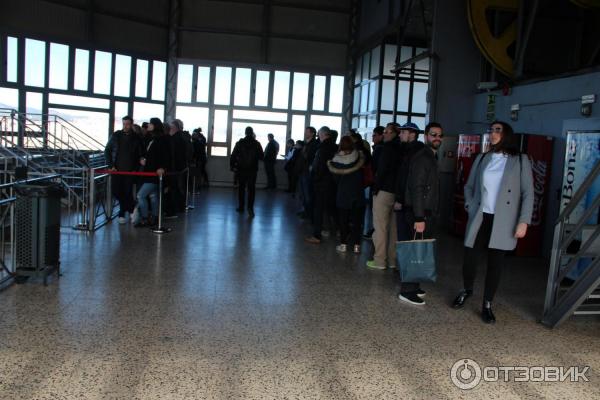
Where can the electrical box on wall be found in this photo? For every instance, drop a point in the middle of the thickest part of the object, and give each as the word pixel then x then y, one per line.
pixel 586 104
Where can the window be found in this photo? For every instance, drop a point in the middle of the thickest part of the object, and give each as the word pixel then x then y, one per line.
pixel 332 122
pixel 121 110
pixel 358 75
pixel 336 93
pixel 122 75
pixel 218 151
pixel 243 78
pixel 356 100
pixel 220 126
pixel 102 72
pixel 141 78
pixel 300 92
pixel 203 84
pixel 375 56
pixel 420 121
pixel 80 101
pixel 12 57
pixel 223 86
pixel 319 93
pixel 259 115
pixel 159 80
pixel 193 117
pixel 373 95
pixel 82 67
pixel 298 127
pixel 9 98
pixel 261 95
pixel 93 123
pixel 403 92
pixel 419 100
pixel 364 98
pixel 33 102
pixel 387 95
pixel 366 61
pixel 35 61
pixel 59 66
pixel 142 112
pixel 261 130
pixel 184 83
pixel 281 89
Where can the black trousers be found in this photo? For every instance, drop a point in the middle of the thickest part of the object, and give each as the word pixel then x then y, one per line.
pixel 122 188
pixel 430 233
pixel 476 255
pixel 247 180
pixel 175 196
pixel 324 205
pixel 292 182
pixel 203 174
pixel 270 170
pixel 351 224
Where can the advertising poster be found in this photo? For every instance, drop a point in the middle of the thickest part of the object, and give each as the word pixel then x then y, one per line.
pixel 539 150
pixel 468 148
pixel 582 154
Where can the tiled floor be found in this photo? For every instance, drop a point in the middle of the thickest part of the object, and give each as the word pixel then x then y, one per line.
pixel 230 308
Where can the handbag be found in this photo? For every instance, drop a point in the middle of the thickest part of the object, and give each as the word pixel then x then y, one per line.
pixel 417 260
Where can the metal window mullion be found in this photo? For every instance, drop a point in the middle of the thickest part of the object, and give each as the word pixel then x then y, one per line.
pixel 327 89
pixel 71 74
pixel 149 80
pixel 91 69
pixel 194 85
pixel 253 87
pixel 271 89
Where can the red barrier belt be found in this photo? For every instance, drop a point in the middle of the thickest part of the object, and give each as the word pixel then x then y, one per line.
pixel 111 172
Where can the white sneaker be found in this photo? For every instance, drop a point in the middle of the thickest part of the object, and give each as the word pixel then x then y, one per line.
pixel 357 248
pixel 392 267
pixel 122 220
pixel 341 248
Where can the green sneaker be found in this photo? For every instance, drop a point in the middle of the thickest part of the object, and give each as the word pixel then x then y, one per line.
pixel 371 264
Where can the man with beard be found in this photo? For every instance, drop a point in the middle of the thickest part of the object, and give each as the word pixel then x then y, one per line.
pixel 421 200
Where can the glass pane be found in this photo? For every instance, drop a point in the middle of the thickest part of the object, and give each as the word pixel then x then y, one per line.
pixel 336 93
pixel 261 94
pixel 12 56
pixel 406 54
pixel 373 95
pixel 193 117
pixel 33 103
pixel 220 126
pixel 365 66
pixel 385 119
pixel 218 151
pixel 403 91
pixel 9 98
pixel 375 56
pixel 358 74
pixel 223 86
pixel 300 92
pixel 121 110
pixel 298 126
pixel 419 100
pixel 420 121
pixel 281 89
pixel 141 78
pixel 203 84
pixel 356 100
pixel 122 75
pixel 355 123
pixel 389 59
pixel 159 80
pixel 319 93
pixel 142 112
pixel 326 120
pixel 422 65
pixel 59 66
pixel 95 124
pixel 102 72
pixel 261 131
pixel 371 121
pixel 243 78
pixel 387 95
pixel 35 61
pixel 184 83
pixel 364 98
pixel 80 101
pixel 259 115
pixel 82 67
pixel 362 122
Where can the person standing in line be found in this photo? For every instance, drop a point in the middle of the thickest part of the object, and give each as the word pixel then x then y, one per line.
pixel 180 152
pixel 384 220
pixel 271 152
pixel 200 158
pixel 123 152
pixel 377 138
pixel 244 161
pixel 346 168
pixel 421 200
pixel 499 200
pixel 311 145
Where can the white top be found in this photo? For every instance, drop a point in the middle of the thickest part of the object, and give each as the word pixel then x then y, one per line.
pixel 492 177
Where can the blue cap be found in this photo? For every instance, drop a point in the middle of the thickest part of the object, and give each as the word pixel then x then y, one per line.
pixel 410 126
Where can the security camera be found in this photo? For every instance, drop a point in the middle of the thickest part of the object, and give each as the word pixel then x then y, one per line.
pixel 487 85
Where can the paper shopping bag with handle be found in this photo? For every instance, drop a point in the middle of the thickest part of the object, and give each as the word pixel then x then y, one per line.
pixel 417 260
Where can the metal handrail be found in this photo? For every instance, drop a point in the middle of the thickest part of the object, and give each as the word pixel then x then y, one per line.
pixel 27 181
pixel 585 185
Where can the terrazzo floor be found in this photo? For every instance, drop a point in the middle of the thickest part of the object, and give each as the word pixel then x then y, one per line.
pixel 225 307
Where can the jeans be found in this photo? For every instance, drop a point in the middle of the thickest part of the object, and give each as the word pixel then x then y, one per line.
pixel 307 193
pixel 148 190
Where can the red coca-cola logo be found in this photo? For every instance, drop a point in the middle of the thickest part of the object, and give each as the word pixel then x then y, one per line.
pixel 539 168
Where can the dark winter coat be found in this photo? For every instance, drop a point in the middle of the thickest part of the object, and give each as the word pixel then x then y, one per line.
pixel 245 155
pixel 387 167
pixel 115 147
pixel 157 156
pixel 347 170
pixel 319 171
pixel 408 150
pixel 423 185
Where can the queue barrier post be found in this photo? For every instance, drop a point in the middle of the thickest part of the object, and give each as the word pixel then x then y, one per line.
pixel 160 229
pixel 188 206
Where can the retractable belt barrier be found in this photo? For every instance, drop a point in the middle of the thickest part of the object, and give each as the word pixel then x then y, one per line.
pixel 160 229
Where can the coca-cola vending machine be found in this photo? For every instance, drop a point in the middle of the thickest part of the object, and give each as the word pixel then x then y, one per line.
pixel 539 150
pixel 468 148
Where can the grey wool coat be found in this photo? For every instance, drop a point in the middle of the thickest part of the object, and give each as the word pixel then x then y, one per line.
pixel 513 205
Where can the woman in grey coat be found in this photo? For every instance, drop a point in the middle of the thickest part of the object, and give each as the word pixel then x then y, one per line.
pixel 499 201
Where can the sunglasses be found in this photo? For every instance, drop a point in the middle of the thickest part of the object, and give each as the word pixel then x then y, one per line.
pixel 440 135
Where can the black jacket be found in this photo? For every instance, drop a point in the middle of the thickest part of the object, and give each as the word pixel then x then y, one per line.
pixel 347 170
pixel 375 156
pixel 157 156
pixel 423 185
pixel 408 150
pixel 309 151
pixel 199 144
pixel 387 167
pixel 245 155
pixel 271 151
pixel 179 151
pixel 319 171
pixel 114 148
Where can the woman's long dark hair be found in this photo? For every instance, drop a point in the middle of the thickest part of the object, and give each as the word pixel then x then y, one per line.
pixel 508 143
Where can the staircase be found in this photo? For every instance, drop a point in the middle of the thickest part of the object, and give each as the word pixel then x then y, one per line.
pixel 575 241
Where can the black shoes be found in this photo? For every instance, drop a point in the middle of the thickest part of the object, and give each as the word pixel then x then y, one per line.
pixel 486 313
pixel 459 302
pixel 240 209
pixel 251 213
pixel 421 293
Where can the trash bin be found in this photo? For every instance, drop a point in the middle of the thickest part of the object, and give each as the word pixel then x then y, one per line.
pixel 37 230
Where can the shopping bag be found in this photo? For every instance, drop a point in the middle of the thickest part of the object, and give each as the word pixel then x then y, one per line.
pixel 417 260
